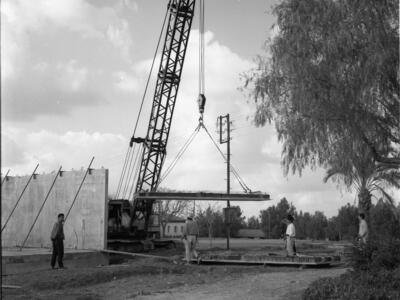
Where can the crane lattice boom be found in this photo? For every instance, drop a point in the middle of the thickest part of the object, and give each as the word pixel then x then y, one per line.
pixel 169 75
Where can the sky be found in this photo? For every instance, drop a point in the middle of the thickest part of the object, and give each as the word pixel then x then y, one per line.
pixel 73 74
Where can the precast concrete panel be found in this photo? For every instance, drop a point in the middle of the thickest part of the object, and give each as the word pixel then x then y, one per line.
pixel 86 225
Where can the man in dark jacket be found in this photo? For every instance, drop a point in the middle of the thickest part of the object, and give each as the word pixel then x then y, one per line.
pixel 57 237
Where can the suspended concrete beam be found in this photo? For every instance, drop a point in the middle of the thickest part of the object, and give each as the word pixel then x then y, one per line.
pixel 198 196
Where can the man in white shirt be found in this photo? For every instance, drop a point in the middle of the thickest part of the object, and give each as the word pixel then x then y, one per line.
pixel 363 230
pixel 190 235
pixel 290 237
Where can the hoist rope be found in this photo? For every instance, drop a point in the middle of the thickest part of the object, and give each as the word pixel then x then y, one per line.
pixel 126 179
pixel 136 165
pixel 201 49
pixel 129 155
pixel 235 173
pixel 131 166
pixel 179 154
pixel 128 161
pixel 123 172
pixel 136 172
pixel 185 147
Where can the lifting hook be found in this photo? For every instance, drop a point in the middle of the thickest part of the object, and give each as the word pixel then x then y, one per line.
pixel 201 101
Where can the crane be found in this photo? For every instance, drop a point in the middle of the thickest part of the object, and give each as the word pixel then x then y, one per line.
pixel 180 17
pixel 178 27
pixel 178 23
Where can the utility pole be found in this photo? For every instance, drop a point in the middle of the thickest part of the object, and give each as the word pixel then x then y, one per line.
pixel 228 166
pixel 269 224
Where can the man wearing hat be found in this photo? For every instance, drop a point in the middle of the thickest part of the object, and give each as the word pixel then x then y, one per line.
pixel 190 234
pixel 290 237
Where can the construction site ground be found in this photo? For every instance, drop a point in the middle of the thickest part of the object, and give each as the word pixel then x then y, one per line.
pixel 148 278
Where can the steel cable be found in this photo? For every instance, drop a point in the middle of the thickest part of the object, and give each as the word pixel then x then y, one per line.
pixel 134 170
pixel 123 173
pixel 130 168
pixel 235 173
pixel 201 49
pixel 179 154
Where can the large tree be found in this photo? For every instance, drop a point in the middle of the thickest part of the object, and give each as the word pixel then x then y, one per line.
pixel 365 176
pixel 207 221
pixel 272 217
pixel 253 223
pixel 330 82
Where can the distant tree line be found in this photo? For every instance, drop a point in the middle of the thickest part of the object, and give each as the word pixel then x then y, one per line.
pixel 211 222
pixel 384 220
pixel 310 226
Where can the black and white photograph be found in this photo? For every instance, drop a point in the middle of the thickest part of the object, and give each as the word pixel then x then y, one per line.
pixel 200 149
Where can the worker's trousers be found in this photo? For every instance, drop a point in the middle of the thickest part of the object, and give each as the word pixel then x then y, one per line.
pixel 190 247
pixel 290 246
pixel 58 253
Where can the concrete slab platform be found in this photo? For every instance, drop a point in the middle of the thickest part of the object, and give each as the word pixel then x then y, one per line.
pixel 270 259
pixel 16 261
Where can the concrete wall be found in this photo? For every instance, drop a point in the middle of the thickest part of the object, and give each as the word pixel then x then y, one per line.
pixel 86 226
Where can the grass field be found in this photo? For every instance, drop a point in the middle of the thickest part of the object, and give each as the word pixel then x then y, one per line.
pixel 142 278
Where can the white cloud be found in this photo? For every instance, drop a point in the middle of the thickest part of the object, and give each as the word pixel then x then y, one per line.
pixel 271 148
pixel 40 76
pixel 256 152
pixel 75 15
pixel 72 77
pixel 22 17
pixel 126 82
pixel 132 5
pixel 120 36
pixel 51 150
pixel 56 88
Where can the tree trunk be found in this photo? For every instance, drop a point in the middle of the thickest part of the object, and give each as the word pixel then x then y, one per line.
pixel 210 236
pixel 364 205
pixel 364 201
pixel 163 225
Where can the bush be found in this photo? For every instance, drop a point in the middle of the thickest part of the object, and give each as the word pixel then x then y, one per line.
pixel 357 285
pixel 376 266
pixel 377 254
pixel 376 275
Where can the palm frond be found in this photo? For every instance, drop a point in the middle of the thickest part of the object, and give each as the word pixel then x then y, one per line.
pixel 386 196
pixel 331 173
pixel 391 178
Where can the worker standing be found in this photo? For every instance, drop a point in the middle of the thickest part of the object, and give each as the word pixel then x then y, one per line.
pixel 290 237
pixel 190 234
pixel 363 229
pixel 57 238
